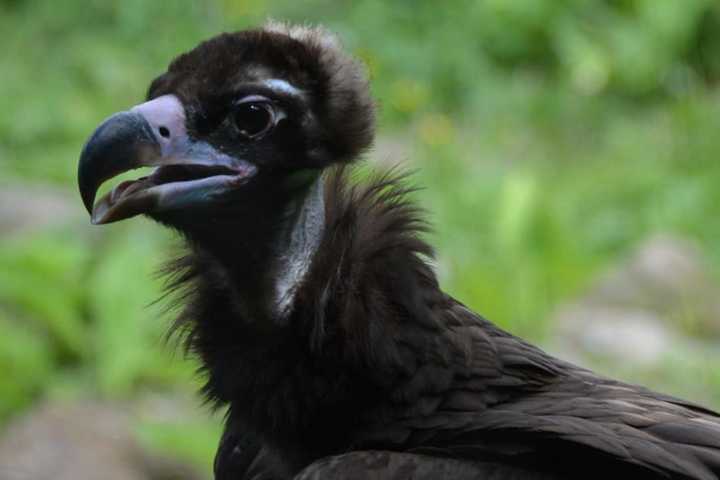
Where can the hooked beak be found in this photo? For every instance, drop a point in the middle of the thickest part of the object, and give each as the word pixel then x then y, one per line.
pixel 153 134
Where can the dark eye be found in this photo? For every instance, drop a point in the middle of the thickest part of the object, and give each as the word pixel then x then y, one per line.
pixel 253 119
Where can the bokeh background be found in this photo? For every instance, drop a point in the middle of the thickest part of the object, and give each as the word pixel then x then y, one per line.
pixel 568 150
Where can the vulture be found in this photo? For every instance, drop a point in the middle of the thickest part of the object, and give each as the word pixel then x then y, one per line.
pixel 308 293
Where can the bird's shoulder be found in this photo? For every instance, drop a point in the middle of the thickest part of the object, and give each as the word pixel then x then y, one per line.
pixel 502 397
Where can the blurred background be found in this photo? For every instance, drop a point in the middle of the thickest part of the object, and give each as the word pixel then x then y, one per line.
pixel 568 150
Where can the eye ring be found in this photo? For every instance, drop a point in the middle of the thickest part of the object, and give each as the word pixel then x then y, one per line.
pixel 253 117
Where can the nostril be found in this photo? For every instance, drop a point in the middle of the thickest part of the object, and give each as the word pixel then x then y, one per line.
pixel 164 132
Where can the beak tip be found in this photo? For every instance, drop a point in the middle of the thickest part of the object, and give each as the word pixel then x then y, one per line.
pixel 113 148
pixel 87 186
pixel 88 203
pixel 88 198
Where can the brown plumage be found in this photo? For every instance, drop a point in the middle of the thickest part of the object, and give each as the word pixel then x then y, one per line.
pixel 310 301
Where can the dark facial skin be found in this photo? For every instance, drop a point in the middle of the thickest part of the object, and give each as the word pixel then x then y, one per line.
pixel 250 117
pixel 210 154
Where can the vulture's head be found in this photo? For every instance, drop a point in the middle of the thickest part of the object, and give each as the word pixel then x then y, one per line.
pixel 238 129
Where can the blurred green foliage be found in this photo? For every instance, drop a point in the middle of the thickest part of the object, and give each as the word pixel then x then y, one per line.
pixel 551 137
